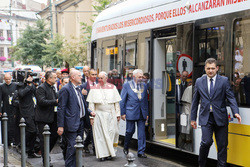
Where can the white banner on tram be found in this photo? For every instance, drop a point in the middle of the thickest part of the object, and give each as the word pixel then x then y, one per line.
pixel 164 15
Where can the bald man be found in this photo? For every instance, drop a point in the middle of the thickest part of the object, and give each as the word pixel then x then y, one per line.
pixel 85 75
pixel 6 92
pixel 71 115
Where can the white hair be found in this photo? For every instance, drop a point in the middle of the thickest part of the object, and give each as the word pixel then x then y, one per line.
pixel 104 73
pixel 136 71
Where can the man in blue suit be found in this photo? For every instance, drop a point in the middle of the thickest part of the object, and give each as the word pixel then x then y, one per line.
pixel 134 109
pixel 213 90
pixel 72 113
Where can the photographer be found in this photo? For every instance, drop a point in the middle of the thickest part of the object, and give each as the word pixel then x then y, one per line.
pixel 26 96
pixel 47 108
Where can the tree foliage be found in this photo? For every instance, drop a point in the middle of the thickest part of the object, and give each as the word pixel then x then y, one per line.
pixel 30 46
pixel 74 52
pixel 101 4
pixel 51 57
pixel 87 29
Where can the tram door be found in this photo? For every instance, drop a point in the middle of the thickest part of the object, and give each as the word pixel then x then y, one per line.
pixel 164 114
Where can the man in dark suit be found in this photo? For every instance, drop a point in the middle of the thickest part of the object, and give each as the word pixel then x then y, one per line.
pixel 213 90
pixel 181 85
pixel 134 109
pixel 46 109
pixel 92 81
pixel 85 74
pixel 72 113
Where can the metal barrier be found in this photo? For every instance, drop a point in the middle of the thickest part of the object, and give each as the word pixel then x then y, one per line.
pixel 46 136
pixel 5 138
pixel 22 126
pixel 79 147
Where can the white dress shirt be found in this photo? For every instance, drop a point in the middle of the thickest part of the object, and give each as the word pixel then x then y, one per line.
pixel 209 82
pixel 79 101
pixel 208 85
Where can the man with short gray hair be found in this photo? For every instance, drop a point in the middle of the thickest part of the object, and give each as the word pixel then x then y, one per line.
pixel 134 108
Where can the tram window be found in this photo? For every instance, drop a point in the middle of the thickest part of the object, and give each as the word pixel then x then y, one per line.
pixel 211 44
pixel 130 57
pixel 241 61
pixel 112 52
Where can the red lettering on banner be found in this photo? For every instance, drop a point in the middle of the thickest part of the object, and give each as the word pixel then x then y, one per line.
pixel 164 15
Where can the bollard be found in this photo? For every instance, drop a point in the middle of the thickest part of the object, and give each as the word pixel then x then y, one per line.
pixel 5 138
pixel 130 158
pixel 22 126
pixel 79 147
pixel 46 135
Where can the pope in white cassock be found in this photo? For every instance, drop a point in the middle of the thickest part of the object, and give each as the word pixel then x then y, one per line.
pixel 104 100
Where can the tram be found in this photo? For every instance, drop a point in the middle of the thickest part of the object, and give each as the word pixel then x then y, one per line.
pixel 165 38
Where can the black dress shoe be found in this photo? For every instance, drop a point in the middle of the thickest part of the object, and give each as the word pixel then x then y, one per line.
pixel 109 158
pixel 125 151
pixel 142 156
pixel 102 159
pixel 34 155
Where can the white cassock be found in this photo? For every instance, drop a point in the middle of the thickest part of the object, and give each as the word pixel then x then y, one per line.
pixel 104 101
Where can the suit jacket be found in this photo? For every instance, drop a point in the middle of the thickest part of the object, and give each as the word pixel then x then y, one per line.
pixel 46 102
pixel 26 102
pixel 83 79
pixel 131 105
pixel 68 114
pixel 222 91
pixel 5 92
pixel 86 86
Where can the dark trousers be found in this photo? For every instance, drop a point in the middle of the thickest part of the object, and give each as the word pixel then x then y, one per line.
pixel 71 142
pixel 89 138
pixel 30 142
pixel 221 136
pixel 130 130
pixel 11 129
pixel 53 135
pixel 17 129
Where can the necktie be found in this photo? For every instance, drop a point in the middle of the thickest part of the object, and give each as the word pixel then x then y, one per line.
pixel 211 87
pixel 81 102
pixel 138 87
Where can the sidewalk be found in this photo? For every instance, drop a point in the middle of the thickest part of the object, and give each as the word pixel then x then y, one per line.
pixel 90 161
pixel 13 158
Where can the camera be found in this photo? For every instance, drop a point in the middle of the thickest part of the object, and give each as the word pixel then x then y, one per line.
pixel 22 75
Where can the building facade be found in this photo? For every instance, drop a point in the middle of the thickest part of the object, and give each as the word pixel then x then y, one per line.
pixel 67 16
pixel 14 17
